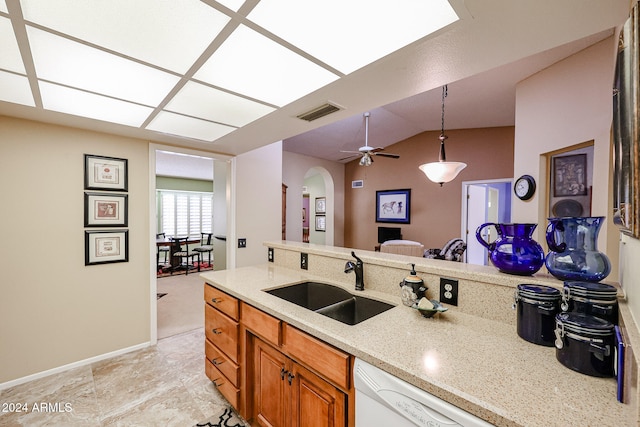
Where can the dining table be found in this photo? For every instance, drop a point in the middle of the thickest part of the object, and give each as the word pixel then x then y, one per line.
pixel 171 241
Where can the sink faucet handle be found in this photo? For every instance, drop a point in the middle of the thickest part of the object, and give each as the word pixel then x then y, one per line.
pixel 353 254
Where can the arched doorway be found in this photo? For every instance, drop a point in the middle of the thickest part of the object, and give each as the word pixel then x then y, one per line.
pixel 318 207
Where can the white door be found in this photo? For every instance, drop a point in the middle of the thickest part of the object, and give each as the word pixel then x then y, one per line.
pixel 476 216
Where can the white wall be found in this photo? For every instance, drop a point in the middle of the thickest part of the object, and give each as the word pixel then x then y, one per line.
pixel 258 203
pixel 295 167
pixel 563 105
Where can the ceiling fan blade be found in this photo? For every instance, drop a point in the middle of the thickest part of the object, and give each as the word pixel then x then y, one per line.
pixel 393 156
pixel 375 150
pixel 347 151
pixel 348 157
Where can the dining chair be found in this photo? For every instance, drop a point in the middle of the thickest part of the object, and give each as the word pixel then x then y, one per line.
pixel 161 249
pixel 205 247
pixel 184 254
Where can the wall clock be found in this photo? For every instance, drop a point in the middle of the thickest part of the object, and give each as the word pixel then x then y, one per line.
pixel 525 187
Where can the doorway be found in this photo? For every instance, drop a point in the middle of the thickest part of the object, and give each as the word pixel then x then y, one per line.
pixel 482 202
pixel 194 176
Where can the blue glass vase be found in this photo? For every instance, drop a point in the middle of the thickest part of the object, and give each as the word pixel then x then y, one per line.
pixel 514 251
pixel 574 255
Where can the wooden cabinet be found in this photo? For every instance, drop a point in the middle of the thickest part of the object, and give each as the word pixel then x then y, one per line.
pixel 288 394
pixel 222 349
pixel 273 374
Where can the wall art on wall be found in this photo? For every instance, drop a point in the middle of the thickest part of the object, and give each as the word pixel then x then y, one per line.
pixel 105 173
pixel 321 205
pixel 321 223
pixel 570 175
pixel 393 206
pixel 105 210
pixel 102 247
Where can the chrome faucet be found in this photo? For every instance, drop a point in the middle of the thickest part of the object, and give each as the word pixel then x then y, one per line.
pixel 358 267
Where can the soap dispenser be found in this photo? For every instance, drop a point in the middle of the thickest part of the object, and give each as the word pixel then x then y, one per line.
pixel 412 288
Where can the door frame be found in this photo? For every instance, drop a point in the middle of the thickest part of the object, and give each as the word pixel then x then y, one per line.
pixel 465 204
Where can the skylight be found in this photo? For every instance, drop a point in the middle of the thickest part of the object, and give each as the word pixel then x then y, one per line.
pixel 191 68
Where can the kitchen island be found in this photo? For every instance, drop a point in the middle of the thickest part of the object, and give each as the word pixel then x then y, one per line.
pixel 473 361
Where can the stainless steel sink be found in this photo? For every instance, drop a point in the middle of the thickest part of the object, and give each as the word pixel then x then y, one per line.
pixel 331 301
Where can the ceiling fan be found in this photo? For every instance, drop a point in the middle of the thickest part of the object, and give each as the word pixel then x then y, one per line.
pixel 366 151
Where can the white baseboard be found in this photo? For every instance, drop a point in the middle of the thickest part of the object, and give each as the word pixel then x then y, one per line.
pixel 73 365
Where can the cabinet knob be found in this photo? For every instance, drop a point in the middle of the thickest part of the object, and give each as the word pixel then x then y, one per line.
pixel 290 377
pixel 216 331
pixel 282 373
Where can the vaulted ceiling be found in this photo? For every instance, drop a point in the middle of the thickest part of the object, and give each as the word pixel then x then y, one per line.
pixel 229 76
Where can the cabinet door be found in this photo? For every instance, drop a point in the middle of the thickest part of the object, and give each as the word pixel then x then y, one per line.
pixel 316 403
pixel 270 394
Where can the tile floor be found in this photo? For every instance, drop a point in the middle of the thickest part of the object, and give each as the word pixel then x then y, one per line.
pixel 163 385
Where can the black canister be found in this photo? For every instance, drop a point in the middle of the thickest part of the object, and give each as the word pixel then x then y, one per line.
pixel 536 307
pixel 594 299
pixel 585 344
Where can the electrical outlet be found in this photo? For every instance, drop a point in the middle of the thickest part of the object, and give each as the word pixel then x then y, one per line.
pixel 304 261
pixel 270 254
pixel 448 291
pixel 242 243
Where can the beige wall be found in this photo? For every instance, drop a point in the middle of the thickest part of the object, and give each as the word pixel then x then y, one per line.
pixel 435 211
pixel 564 105
pixel 54 310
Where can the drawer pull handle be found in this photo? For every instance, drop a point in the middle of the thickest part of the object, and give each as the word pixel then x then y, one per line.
pixel 217 361
pixel 216 331
pixel 290 377
pixel 282 373
pixel 215 382
pixel 216 300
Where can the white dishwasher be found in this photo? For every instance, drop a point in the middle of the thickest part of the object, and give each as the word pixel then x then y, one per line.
pixel 384 400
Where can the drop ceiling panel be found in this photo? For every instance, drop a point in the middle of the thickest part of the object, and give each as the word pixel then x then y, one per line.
pixel 150 30
pixel 362 32
pixel 232 4
pixel 3 6
pixel 250 64
pixel 63 61
pixel 15 89
pixel 189 127
pixel 84 104
pixel 202 101
pixel 10 58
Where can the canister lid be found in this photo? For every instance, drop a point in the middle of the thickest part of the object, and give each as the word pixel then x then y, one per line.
pixel 584 324
pixel 591 289
pixel 538 292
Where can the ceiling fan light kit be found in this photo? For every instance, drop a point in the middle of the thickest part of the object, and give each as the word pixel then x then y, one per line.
pixel 442 171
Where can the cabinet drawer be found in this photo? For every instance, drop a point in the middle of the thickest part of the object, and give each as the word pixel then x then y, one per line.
pixel 223 302
pixel 261 323
pixel 222 331
pixel 222 362
pixel 327 361
pixel 224 386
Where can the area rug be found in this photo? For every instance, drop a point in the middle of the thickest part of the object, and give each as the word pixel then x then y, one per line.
pixel 226 418
pixel 165 272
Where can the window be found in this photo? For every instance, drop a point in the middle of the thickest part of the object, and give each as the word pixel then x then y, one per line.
pixel 184 213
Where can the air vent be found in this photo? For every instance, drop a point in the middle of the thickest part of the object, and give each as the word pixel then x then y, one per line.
pixel 357 184
pixel 321 111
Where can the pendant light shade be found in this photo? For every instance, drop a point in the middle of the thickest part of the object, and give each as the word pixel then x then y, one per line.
pixel 442 171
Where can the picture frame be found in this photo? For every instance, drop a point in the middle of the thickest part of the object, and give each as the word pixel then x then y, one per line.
pixel 570 175
pixel 105 210
pixel 321 223
pixel 393 206
pixel 106 246
pixel 321 205
pixel 105 173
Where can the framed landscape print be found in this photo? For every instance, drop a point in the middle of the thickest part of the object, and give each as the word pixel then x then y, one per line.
pixel 105 210
pixel 105 173
pixel 393 206
pixel 102 247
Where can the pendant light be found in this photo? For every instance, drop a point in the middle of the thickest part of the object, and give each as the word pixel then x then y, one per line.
pixel 442 171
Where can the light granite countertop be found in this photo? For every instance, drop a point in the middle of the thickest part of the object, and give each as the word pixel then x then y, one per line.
pixel 479 365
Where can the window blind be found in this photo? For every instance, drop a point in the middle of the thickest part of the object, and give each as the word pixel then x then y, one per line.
pixel 184 213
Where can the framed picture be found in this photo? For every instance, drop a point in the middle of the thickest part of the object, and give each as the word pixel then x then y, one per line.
pixel 105 210
pixel 321 205
pixel 102 247
pixel 105 173
pixel 321 223
pixel 393 206
pixel 570 175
